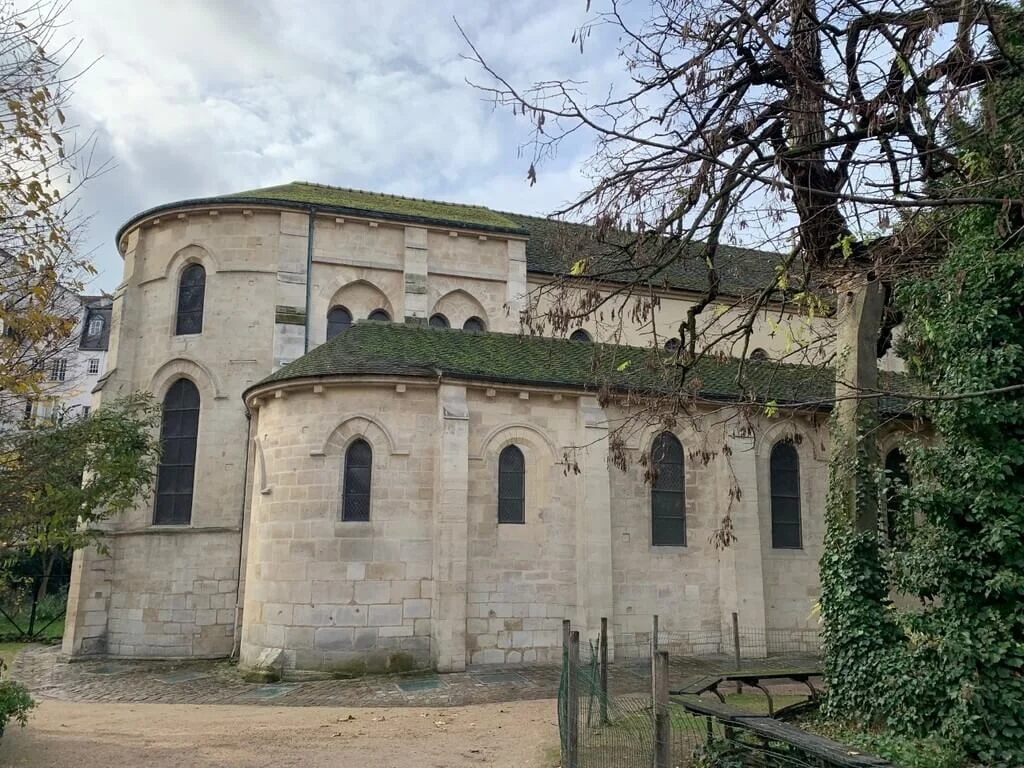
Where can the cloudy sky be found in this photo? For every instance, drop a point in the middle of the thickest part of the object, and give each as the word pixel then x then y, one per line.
pixel 189 98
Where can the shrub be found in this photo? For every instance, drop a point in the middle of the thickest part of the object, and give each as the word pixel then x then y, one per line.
pixel 15 702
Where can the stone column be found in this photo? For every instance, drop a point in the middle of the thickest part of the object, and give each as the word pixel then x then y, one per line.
pixel 593 523
pixel 415 273
pixel 85 628
pixel 740 570
pixel 450 569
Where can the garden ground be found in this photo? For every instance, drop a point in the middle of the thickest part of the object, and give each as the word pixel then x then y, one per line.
pixel 65 734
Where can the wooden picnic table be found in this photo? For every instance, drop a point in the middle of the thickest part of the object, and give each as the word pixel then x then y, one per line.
pixel 754 679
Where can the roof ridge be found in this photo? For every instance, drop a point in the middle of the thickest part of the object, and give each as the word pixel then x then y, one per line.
pixel 387 194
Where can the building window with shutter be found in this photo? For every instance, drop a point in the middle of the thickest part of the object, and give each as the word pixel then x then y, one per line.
pixel 511 485
pixel 191 298
pixel 668 495
pixel 358 474
pixel 785 488
pixel 179 436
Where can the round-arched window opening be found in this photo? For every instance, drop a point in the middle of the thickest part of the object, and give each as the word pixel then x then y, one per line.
pixel 338 320
pixel 580 335
pixel 672 345
pixel 474 325
pixel 758 356
pixel 380 315
pixel 439 321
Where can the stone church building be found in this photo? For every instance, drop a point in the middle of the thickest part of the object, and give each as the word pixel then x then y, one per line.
pixel 366 460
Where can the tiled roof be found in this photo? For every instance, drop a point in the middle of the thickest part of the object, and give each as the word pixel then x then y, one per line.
pixel 378 348
pixel 551 249
pixel 554 247
pixel 405 208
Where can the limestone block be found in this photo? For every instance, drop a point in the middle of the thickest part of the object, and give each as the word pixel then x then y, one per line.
pixel 368 592
pixel 386 616
pixel 416 608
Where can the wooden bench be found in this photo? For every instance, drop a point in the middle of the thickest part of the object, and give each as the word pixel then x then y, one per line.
pixel 711 683
pixel 768 730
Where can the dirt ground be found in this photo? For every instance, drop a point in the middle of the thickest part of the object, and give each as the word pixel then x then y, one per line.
pixel 95 735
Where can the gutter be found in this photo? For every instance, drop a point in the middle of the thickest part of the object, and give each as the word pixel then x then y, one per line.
pixel 236 645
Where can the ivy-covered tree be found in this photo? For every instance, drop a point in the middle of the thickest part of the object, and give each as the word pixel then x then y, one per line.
pixel 58 479
pixel 956 665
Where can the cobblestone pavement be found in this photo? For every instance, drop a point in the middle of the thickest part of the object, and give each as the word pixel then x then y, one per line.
pixel 43 670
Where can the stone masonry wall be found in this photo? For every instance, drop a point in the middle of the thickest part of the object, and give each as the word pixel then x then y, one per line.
pixel 334 593
pixel 522 578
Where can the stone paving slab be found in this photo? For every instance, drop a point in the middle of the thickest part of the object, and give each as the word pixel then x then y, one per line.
pixel 47 674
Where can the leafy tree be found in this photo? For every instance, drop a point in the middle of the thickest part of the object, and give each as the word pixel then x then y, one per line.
pixel 41 167
pixel 56 481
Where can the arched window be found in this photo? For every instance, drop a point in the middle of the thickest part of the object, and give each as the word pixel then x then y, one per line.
pixel 338 320
pixel 175 476
pixel 896 477
pixel 511 485
pixel 668 495
pixel 672 345
pixel 785 485
pixel 380 314
pixel 474 325
pixel 439 321
pixel 758 355
pixel 191 295
pixel 579 335
pixel 355 497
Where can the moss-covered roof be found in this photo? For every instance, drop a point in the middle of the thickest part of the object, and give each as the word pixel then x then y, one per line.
pixel 378 348
pixel 358 201
pixel 554 247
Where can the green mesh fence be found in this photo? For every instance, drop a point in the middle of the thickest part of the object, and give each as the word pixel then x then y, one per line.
pixel 618 728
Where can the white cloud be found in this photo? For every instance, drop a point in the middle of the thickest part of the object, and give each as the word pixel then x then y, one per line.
pixel 196 98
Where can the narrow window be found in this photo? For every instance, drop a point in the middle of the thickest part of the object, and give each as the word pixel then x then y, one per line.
pixel 28 410
pixel 85 411
pixel 355 501
pixel 439 321
pixel 59 369
pixel 94 365
pixel 896 479
pixel 338 320
pixel 175 477
pixel 380 315
pixel 474 325
pixel 511 485
pixel 785 486
pixel 95 329
pixel 668 497
pixel 191 295
pixel 580 335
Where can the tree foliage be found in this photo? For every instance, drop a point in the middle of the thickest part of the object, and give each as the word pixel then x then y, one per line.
pixel 41 166
pixel 956 665
pixel 58 480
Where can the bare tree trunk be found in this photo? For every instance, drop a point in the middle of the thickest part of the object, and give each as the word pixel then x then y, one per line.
pixel 44 582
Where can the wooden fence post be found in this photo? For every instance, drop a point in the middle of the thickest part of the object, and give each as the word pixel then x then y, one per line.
pixel 662 725
pixel 604 671
pixel 566 629
pixel 571 758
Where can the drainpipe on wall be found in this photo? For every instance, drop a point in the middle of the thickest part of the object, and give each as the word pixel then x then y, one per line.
pixel 309 271
pixel 237 643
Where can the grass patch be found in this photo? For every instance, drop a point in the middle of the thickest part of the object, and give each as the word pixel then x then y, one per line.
pixel 52 633
pixel 8 651
pixel 903 752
